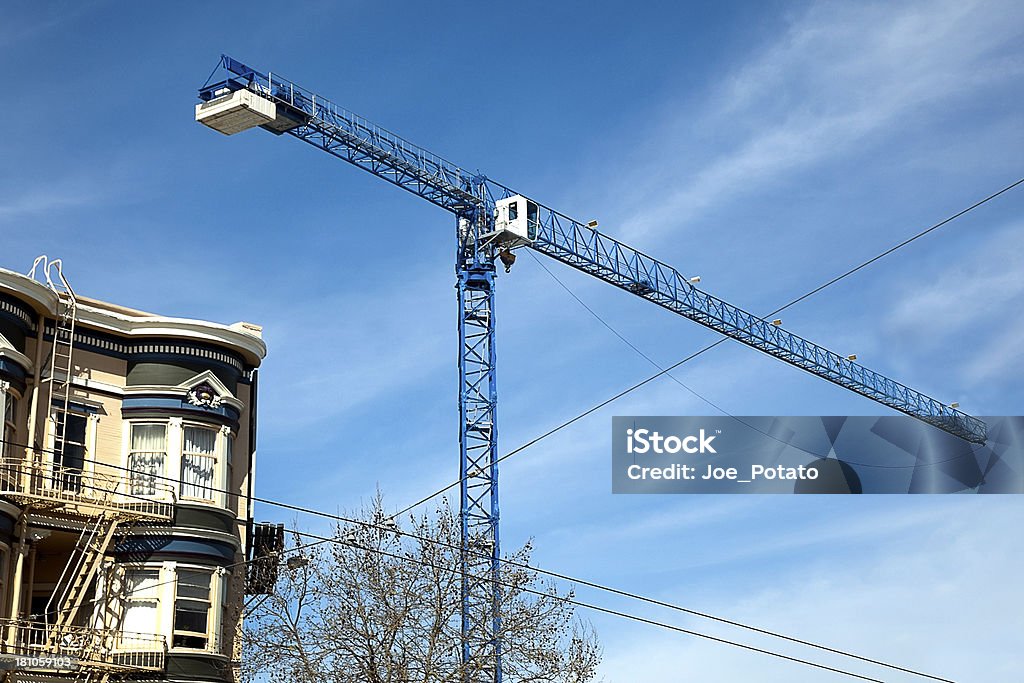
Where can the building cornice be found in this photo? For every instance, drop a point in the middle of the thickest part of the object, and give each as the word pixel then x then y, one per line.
pixel 241 337
pixel 36 294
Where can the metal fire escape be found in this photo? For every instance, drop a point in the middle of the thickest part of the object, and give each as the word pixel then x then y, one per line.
pixel 66 491
pixel 491 220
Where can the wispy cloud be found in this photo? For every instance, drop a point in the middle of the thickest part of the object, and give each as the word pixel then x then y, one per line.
pixel 935 584
pixel 54 196
pixel 844 75
pixel 48 188
pixel 970 301
pixel 334 353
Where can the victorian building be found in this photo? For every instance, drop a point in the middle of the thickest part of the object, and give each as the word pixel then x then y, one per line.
pixel 128 449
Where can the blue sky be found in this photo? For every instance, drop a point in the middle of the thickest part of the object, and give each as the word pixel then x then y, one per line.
pixel 765 146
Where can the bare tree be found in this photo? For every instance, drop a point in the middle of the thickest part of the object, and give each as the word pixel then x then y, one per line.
pixel 382 606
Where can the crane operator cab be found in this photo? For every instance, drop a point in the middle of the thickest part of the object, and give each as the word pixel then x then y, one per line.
pixel 516 222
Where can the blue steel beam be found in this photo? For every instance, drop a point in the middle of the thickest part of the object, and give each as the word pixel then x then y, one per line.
pixel 354 139
pixel 478 477
pixel 583 248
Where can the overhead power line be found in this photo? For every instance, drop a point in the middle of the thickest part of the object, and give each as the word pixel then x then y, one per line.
pixel 712 345
pixel 605 610
pixel 513 563
pixel 662 371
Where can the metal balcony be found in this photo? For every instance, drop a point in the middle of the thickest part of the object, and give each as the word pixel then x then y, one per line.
pixel 86 493
pixel 78 648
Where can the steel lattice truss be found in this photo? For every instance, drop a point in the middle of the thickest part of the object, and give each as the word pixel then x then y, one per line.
pixel 478 442
pixel 471 197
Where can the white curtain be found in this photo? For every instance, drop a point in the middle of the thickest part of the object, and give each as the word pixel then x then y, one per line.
pixel 198 463
pixel 142 602
pixel 148 457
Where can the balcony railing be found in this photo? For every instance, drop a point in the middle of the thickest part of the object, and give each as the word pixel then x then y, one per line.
pixel 80 648
pixel 86 492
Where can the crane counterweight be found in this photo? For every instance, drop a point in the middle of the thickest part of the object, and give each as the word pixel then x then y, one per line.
pixel 233 112
pixel 232 109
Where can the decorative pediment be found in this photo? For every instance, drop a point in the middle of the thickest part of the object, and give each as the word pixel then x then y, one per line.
pixel 206 391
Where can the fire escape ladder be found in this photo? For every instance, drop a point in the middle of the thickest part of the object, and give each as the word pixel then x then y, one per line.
pixel 82 567
pixel 61 361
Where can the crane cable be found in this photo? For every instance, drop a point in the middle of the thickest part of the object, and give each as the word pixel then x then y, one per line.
pixel 712 345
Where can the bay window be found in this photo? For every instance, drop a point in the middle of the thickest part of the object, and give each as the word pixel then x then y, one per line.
pixel 181 602
pixel 197 456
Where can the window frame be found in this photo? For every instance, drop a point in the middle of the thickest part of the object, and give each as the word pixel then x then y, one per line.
pixel 131 452
pixel 155 598
pixel 165 593
pixel 209 637
pixel 11 400
pixel 69 480
pixel 178 488
pixel 215 455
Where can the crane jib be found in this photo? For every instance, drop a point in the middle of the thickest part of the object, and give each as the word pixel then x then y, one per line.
pixel 318 121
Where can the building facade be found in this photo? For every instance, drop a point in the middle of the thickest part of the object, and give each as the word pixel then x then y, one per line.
pixel 128 452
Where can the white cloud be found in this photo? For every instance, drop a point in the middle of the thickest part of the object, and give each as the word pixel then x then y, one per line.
pixel 334 353
pixel 978 286
pixel 54 196
pixel 927 601
pixel 970 303
pixel 841 77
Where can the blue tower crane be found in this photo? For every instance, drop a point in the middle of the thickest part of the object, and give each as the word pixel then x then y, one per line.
pixel 491 220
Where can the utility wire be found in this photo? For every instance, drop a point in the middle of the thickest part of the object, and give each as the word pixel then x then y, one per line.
pixel 623 338
pixel 513 563
pixel 661 372
pixel 719 408
pixel 712 345
pixel 606 610
pixel 658 366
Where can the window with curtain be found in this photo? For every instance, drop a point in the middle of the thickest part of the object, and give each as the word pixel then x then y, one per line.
pixel 147 458
pixel 198 463
pixel 192 609
pixel 142 602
